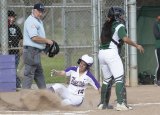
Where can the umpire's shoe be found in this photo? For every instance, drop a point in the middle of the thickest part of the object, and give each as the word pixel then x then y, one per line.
pixel 104 106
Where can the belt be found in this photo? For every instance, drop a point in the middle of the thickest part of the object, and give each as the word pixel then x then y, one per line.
pixel 104 48
pixel 33 48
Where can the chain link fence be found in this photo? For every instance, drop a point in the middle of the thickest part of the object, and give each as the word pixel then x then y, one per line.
pixel 68 22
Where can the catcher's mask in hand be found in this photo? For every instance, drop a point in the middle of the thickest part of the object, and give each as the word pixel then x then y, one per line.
pixel 52 50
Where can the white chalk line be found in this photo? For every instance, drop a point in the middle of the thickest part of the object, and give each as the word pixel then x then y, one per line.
pixel 68 112
pixel 47 112
pixel 144 104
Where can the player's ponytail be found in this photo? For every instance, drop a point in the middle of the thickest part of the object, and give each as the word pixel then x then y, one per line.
pixel 106 34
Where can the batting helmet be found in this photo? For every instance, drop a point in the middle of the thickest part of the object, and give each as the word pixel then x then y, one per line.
pixel 87 59
pixel 52 50
pixel 116 13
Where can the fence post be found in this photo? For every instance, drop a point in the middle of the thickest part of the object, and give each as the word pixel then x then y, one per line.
pixel 4 26
pixel 133 35
pixel 95 37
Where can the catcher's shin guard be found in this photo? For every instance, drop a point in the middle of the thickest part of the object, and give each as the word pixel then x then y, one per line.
pixel 105 96
pixel 124 95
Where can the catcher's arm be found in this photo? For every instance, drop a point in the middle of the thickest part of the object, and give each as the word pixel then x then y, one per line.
pixel 130 42
pixel 57 73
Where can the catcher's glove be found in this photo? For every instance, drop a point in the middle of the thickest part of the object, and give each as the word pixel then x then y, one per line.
pixel 52 50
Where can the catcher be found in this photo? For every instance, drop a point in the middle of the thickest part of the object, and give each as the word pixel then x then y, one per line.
pixel 80 76
pixel 113 33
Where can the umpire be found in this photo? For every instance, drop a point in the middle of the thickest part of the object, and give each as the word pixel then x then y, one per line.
pixel 34 43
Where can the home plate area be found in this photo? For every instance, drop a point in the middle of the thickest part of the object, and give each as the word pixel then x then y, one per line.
pixel 145 99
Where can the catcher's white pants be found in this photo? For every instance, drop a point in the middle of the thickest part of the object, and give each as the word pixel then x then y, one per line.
pixel 67 97
pixel 111 64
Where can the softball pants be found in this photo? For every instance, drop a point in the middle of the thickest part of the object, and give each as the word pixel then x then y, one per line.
pixel 111 64
pixel 67 97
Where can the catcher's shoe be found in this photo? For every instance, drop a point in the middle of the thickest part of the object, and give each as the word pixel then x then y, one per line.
pixel 99 106
pixel 104 106
pixel 122 107
pixel 129 107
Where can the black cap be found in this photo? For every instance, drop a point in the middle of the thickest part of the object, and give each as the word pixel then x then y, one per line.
pixel 11 13
pixel 39 7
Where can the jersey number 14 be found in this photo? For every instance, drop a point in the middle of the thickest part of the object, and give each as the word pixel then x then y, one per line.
pixel 81 91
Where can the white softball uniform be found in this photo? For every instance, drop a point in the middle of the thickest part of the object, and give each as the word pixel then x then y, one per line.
pixel 110 61
pixel 75 92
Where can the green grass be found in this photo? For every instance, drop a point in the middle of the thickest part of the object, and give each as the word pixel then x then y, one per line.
pixel 58 63
pixel 48 64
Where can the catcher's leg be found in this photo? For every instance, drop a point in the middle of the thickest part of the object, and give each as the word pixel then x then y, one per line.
pixel 105 96
pixel 108 95
pixel 106 87
pixel 124 95
pixel 121 95
pixel 124 92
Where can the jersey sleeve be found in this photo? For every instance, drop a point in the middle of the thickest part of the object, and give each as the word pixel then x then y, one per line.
pixel 122 32
pixel 32 29
pixel 93 81
pixel 69 70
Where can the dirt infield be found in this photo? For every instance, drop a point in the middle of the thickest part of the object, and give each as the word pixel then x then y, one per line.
pixel 145 100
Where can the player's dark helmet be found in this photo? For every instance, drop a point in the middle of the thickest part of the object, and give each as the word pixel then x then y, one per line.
pixel 52 50
pixel 11 13
pixel 116 13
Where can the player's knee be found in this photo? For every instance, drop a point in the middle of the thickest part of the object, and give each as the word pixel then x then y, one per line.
pixel 119 79
pixel 66 102
pixel 107 80
pixel 57 86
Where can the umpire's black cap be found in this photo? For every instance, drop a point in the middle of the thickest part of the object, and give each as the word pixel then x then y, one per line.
pixel 39 7
pixel 11 13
